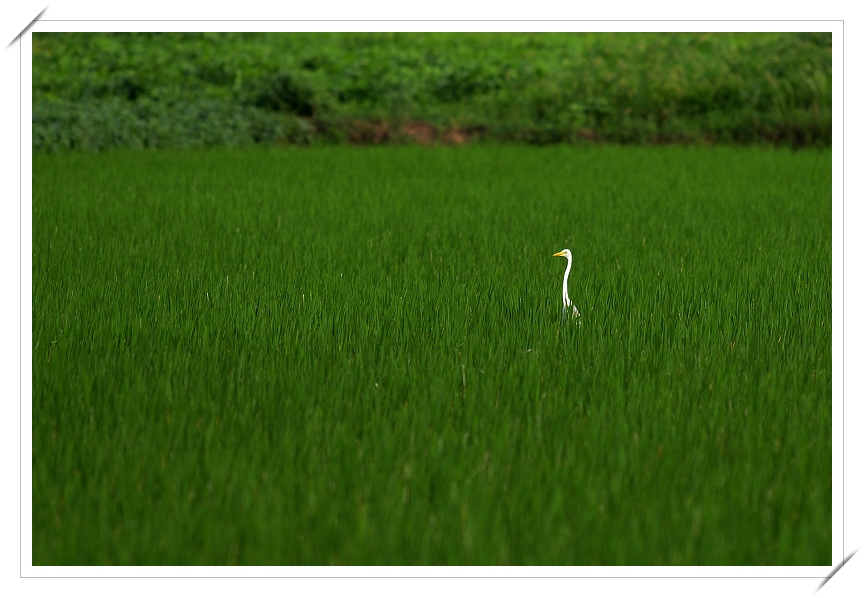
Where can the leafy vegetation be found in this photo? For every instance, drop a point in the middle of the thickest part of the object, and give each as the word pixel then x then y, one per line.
pixel 97 91
pixel 338 355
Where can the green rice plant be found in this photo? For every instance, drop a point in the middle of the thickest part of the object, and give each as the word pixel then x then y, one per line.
pixel 352 356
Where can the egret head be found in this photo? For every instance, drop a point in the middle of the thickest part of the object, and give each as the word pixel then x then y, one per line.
pixel 563 253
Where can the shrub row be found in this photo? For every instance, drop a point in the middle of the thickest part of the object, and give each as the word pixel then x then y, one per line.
pixel 95 90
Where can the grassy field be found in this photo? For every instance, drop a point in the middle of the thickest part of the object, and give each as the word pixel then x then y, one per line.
pixel 349 356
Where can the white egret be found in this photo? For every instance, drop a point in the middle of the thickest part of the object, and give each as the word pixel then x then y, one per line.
pixel 568 305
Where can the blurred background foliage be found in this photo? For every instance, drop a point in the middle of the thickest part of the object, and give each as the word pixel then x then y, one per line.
pixel 95 91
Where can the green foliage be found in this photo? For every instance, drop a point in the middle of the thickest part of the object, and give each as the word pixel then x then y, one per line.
pixel 352 356
pixel 539 88
pixel 169 123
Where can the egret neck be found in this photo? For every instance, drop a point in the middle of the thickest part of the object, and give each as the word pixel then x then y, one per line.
pixel 564 295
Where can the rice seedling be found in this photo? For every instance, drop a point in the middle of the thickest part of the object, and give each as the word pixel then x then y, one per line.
pixel 354 356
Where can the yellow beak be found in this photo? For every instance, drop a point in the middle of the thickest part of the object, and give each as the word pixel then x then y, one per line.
pixel 559 254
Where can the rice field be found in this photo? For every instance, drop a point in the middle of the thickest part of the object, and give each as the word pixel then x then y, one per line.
pixel 354 356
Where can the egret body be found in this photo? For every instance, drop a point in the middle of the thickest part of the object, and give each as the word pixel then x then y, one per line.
pixel 568 305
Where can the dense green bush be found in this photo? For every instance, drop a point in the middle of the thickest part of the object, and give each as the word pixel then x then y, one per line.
pixel 98 90
pixel 114 122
